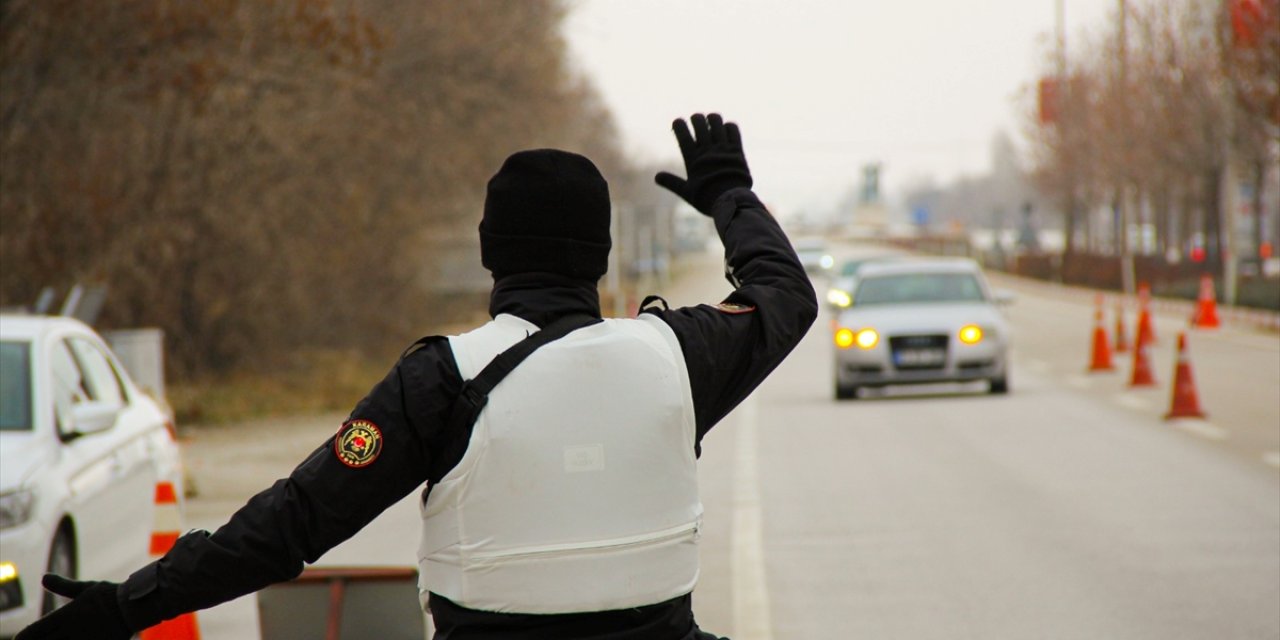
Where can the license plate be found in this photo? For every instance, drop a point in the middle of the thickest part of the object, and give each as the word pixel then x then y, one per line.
pixel 919 357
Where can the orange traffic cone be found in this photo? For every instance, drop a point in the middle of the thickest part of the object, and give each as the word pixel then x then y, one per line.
pixel 1100 359
pixel 1142 376
pixel 1122 340
pixel 1185 403
pixel 164 533
pixel 1206 313
pixel 1146 334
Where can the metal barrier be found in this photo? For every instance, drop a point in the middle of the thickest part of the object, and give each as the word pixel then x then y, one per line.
pixel 351 603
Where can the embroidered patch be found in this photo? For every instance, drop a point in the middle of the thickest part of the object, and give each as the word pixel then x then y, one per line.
pixel 358 443
pixel 730 307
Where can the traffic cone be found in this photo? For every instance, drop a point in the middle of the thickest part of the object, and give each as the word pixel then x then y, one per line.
pixel 1142 376
pixel 1122 340
pixel 1100 359
pixel 1146 334
pixel 1185 402
pixel 166 527
pixel 1206 313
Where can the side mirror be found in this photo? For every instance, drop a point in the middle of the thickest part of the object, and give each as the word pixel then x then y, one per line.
pixel 93 417
pixel 1004 297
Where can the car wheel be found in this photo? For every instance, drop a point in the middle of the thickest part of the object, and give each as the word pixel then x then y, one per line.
pixel 1000 385
pixel 62 561
pixel 846 391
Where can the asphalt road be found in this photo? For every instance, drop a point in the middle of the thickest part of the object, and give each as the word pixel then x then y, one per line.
pixel 1068 509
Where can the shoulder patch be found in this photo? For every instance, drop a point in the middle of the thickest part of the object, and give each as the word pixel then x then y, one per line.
pixel 357 443
pixel 730 307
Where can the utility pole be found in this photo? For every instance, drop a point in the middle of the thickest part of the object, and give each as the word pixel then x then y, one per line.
pixel 1229 201
pixel 1060 13
pixel 1127 275
pixel 1062 99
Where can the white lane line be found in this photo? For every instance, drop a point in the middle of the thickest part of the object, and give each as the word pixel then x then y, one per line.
pixel 750 592
pixel 1272 458
pixel 1201 428
pixel 1133 402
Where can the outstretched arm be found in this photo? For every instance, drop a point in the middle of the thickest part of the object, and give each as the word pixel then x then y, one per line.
pixel 380 454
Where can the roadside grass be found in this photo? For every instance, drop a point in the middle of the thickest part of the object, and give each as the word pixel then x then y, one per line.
pixel 325 381
pixel 313 382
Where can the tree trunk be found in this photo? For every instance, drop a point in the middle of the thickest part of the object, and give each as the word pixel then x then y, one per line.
pixel 1214 235
pixel 1069 214
pixel 1162 216
pixel 1259 185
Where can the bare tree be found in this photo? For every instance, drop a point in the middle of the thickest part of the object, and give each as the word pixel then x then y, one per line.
pixel 259 177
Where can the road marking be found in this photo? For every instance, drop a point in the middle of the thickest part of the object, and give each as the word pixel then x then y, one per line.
pixel 1133 402
pixel 1202 429
pixel 750 593
pixel 1272 458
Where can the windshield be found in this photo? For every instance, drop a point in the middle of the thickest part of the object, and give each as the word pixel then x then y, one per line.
pixel 910 288
pixel 15 386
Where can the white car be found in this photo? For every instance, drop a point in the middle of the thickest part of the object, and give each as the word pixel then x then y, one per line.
pixel 921 321
pixel 81 451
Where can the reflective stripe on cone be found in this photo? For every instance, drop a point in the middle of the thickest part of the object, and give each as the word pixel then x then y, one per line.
pixel 165 529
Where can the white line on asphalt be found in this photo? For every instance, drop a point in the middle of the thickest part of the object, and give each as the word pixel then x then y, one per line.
pixel 1133 402
pixel 750 593
pixel 1272 458
pixel 1201 428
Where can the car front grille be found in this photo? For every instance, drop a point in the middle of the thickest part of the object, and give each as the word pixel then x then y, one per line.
pixel 918 352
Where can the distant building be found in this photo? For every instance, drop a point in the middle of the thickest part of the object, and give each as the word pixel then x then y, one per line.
pixel 870 217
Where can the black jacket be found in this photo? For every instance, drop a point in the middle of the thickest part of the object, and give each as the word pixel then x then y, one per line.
pixel 728 348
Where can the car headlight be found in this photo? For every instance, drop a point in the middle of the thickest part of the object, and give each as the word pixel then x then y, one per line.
pixel 839 298
pixel 971 334
pixel 15 507
pixel 828 262
pixel 844 338
pixel 10 588
pixel 865 338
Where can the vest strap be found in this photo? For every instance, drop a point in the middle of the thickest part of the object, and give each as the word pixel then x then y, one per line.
pixel 475 392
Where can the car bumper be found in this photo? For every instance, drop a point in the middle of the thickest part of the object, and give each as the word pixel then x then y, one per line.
pixel 25 548
pixel 876 367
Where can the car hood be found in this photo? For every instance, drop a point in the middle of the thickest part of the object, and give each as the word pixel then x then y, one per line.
pixel 20 455
pixel 919 318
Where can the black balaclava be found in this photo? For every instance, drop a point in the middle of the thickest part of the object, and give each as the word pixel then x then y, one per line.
pixel 546 211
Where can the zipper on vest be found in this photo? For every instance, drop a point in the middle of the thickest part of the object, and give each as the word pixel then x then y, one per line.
pixel 690 530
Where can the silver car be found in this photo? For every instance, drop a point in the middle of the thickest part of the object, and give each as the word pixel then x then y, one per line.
pixel 921 321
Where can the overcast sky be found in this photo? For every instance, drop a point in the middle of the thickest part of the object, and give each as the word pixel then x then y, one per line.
pixel 821 87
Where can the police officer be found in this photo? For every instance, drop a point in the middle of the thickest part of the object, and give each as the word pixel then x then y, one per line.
pixel 566 506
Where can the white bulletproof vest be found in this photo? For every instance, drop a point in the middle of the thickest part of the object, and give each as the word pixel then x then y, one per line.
pixel 578 490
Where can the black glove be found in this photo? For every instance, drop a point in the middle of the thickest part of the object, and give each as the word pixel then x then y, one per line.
pixel 93 613
pixel 713 159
